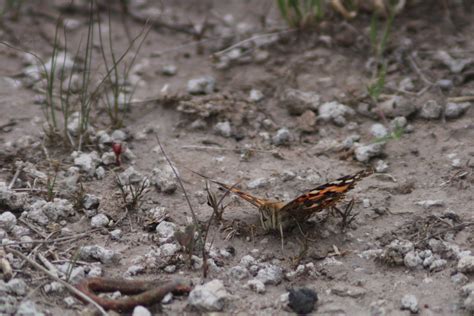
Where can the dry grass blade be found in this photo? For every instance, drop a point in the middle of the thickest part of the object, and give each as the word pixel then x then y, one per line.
pixel 68 286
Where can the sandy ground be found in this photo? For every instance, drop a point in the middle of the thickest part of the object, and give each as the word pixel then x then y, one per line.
pixel 432 160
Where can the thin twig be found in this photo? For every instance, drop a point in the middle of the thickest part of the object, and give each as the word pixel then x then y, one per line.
pixel 253 38
pixel 69 238
pixel 68 286
pixel 179 180
pixel 225 149
pixel 15 176
pixel 465 98
pixel 415 67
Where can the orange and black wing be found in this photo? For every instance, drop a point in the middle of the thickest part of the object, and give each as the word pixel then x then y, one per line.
pixel 247 197
pixel 324 196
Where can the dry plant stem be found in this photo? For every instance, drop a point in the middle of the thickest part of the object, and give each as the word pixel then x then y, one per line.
pixel 418 71
pixel 466 98
pixel 68 286
pixel 179 181
pixel 140 292
pixel 61 239
pixel 455 227
pixel 226 149
pixel 15 176
pixel 222 52
pixel 47 264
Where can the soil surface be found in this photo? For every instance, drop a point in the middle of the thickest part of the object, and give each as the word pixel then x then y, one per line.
pixel 416 207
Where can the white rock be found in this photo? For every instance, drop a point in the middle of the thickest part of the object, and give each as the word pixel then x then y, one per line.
pixel 95 252
pixel 169 249
pixel 297 102
pixel 398 122
pixel 335 111
pixel 100 220
pixel 431 110
pixel 170 269
pixel 459 279
pixel 410 303
pixel 363 153
pixel 466 264
pixel 94 271
pixel 7 221
pixel 256 286
pixel 87 162
pixel 17 287
pixel 210 297
pixel 164 179
pixel 455 110
pixel 238 273
pixel 412 260
pixel 169 70
pixel 28 308
pixel 166 231
pixel 116 234
pixel 130 176
pixel 247 261
pixel 381 166
pixel 90 201
pixel 378 130
pixel 202 85
pixel 438 265
pixel 270 274
pixel 255 95
pixel 118 136
pixel 282 137
pixel 141 311
pixel 223 129
pixel 69 301
pixel 134 270
pixel 396 106
pixel 454 65
pixel 108 158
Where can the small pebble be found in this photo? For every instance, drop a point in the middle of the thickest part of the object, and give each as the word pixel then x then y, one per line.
pixel 410 303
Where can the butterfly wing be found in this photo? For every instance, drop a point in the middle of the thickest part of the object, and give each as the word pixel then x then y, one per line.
pixel 323 196
pixel 247 197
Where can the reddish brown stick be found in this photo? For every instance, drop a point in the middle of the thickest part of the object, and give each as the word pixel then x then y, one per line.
pixel 142 292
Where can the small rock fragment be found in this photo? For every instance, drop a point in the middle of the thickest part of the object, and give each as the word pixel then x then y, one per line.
pixel 381 166
pixel 210 297
pixel 270 274
pixel 238 273
pixel 27 308
pixel 459 279
pixel 378 130
pixel 95 252
pixel 87 162
pixel 255 95
pixel 100 220
pixel 363 153
pixel 335 112
pixel 466 264
pixel 412 260
pixel 164 179
pixel 169 70
pixel 297 101
pixel 455 110
pixel 256 286
pixel 166 231
pixel 90 201
pixel 17 287
pixel 202 85
pixel 7 221
pixel 141 311
pixel 130 176
pixel 454 65
pixel 223 129
pixel 431 110
pixel 397 106
pixel 410 303
pixel 282 137
pixel 438 265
